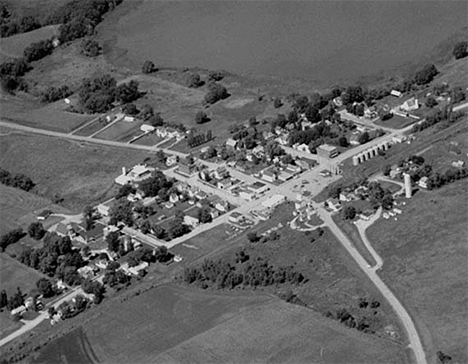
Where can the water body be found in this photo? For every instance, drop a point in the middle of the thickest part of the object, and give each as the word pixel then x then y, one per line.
pixel 316 40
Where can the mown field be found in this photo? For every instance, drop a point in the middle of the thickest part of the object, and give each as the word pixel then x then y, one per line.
pixel 80 173
pixel 14 274
pixel 425 258
pixel 181 325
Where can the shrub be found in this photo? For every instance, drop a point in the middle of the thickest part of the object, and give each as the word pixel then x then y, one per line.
pixel 201 117
pixel 90 48
pixel 193 80
pixel 215 93
pixel 215 75
pixel 148 67
pixel 460 50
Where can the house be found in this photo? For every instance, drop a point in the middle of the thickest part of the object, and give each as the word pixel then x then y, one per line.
pixel 86 272
pixel 102 264
pixel 146 128
pixel 249 156
pixel 283 139
pixel 305 164
pixel 304 148
pixel 423 182
pixel 269 175
pixel 222 206
pixel 258 150
pixel 214 213
pixel 231 143
pixel 354 139
pixel 132 197
pixel 458 164
pixel 327 151
pixel 148 201
pixel 86 237
pixel 236 218
pixel 62 229
pixel 347 196
pixel 366 215
pixel 187 169
pixel 191 218
pixel 129 119
pixel 396 173
pixel 410 104
pixel 136 270
pixel 396 93
pixel 291 168
pixel 305 125
pixel 168 205
pixel 274 201
pixel 103 210
pixel 201 195
pixel 397 139
pixel 174 197
pixel 279 130
pixel 221 173
pixel 338 101
pixel 205 174
pixel 171 160
pixel 397 211
pixel 334 204
pixel 224 183
pixel 268 135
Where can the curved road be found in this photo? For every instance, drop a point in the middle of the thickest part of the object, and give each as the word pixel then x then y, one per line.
pixel 413 337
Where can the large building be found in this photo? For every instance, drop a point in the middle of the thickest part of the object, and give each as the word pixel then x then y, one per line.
pixel 274 201
pixel 327 151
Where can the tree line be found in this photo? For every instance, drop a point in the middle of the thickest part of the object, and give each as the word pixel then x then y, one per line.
pixel 18 180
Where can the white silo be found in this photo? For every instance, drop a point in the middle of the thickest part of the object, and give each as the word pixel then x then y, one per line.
pixel 408 189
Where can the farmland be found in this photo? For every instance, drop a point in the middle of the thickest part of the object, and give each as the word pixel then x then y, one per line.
pixel 14 274
pixel 425 264
pixel 80 173
pixel 197 326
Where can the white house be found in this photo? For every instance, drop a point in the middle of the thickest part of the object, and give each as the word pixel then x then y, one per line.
pixel 231 143
pixel 396 93
pixel 334 204
pixel 222 205
pixel 303 148
pixel 103 210
pixel 137 174
pixel 174 197
pixel 423 182
pixel 269 176
pixel 191 219
pixel 410 104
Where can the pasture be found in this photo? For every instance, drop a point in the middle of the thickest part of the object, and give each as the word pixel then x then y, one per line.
pixel 80 173
pixel 13 46
pixel 181 325
pixel 424 257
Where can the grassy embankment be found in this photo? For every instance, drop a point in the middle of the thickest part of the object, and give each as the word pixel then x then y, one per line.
pixel 425 265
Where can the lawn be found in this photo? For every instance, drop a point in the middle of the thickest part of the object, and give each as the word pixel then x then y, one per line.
pixel 397 122
pixel 120 131
pixel 80 173
pixel 90 129
pixel 189 325
pixel 425 265
pixel 149 140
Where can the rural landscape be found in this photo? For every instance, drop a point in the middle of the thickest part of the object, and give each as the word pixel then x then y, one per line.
pixel 204 182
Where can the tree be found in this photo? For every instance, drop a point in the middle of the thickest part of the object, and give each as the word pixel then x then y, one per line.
pixel 148 67
pixel 312 114
pixel 38 50
pixel 146 112
pixel 113 241
pixel 342 141
pixel 201 117
pixel 273 149
pixel 426 74
pixel 457 95
pixel 253 237
pixel 364 138
pixel 10 238
pixel 204 215
pixel 193 80
pixel 90 48
pixel 156 120
pixel 430 102
pixel 277 103
pixel 45 287
pixel 130 109
pixel 215 75
pixel 89 216
pixel 443 358
pixel 386 169
pixel 122 211
pixel 36 230
pixel 460 50
pixel 3 299
pixel 127 92
pixel 215 93
pixel 349 213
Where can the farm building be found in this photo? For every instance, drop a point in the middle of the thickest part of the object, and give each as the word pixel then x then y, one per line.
pixel 137 174
pixel 327 151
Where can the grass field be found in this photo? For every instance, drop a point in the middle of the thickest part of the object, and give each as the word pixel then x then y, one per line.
pixel 149 140
pixel 425 265
pixel 90 129
pixel 7 325
pixel 120 131
pixel 396 122
pixel 82 174
pixel 13 47
pixel 14 274
pixel 195 326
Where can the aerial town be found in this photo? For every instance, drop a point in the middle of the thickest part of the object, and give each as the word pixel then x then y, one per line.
pixel 154 213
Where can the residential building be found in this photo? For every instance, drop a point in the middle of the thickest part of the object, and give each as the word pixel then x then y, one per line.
pixel 86 272
pixel 338 101
pixel 423 182
pixel 458 164
pixel 221 173
pixel 269 175
pixel 171 160
pixel 259 150
pixel 304 148
pixel 62 229
pixel 137 174
pixel 410 104
pixel 222 206
pixel 231 143
pixel 186 169
pixel 366 215
pixel 236 218
pixel 247 194
pixel 274 201
pixel 224 183
pixel 334 204
pixel 327 151
pixel 18 310
pixel 44 215
pixel 325 173
pixel 214 213
pixel 191 218
pixel 305 125
pixel 174 197
pixel 396 93
pixel 305 164
pixel 354 139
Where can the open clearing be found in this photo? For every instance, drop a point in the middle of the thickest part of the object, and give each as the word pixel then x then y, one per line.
pixel 425 256
pixel 181 325
pixel 14 45
pixel 80 173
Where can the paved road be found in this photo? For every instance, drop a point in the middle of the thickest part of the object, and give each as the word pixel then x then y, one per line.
pixel 413 337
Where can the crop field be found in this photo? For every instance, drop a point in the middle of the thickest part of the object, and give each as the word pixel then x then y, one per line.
pixel 425 265
pixel 188 325
pixel 14 274
pixel 14 45
pixel 71 348
pixel 120 131
pixel 80 173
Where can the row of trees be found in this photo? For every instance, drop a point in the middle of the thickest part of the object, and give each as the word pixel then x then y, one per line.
pixel 11 25
pixel 19 180
pixel 438 180
pixel 196 139
pixel 445 115
pixel 11 237
pixel 16 300
pixel 221 274
pixel 52 93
